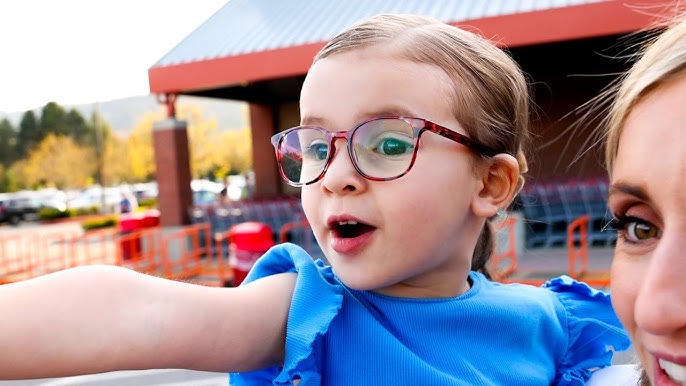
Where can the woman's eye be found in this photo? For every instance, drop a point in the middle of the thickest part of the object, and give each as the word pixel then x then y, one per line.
pixel 635 229
pixel 393 146
pixel 318 150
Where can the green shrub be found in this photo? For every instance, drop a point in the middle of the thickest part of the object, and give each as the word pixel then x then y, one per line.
pixel 147 203
pixel 87 211
pixel 104 222
pixel 52 213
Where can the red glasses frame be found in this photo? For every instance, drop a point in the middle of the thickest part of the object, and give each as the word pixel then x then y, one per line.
pixel 419 126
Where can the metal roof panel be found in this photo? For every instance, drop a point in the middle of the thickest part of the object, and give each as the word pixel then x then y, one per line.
pixel 248 26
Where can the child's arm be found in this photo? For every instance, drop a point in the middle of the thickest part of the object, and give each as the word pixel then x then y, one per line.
pixel 101 318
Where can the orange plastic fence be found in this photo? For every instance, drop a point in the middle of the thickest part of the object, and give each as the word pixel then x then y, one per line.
pixel 290 226
pixel 95 247
pixel 190 254
pixel 507 256
pixel 187 254
pixel 577 252
pixel 140 250
pixel 16 250
pixel 512 273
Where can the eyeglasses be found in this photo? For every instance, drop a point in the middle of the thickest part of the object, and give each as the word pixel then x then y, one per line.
pixel 381 149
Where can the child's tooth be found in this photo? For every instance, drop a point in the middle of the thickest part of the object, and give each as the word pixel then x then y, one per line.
pixel 676 372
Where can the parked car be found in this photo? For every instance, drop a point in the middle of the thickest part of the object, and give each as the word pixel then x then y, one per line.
pixel 15 208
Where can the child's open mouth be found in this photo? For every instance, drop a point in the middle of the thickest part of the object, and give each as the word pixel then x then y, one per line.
pixel 349 229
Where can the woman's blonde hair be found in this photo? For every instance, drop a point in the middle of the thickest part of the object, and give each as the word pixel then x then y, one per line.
pixel 489 92
pixel 663 59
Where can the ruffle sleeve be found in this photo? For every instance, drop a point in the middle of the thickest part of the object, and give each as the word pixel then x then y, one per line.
pixel 594 330
pixel 317 298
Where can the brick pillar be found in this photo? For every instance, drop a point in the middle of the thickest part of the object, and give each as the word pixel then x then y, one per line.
pixel 267 179
pixel 172 161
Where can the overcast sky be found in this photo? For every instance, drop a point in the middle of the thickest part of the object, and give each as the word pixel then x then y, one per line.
pixel 83 51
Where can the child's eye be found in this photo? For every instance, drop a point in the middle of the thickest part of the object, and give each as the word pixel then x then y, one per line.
pixel 391 145
pixel 318 150
pixel 634 229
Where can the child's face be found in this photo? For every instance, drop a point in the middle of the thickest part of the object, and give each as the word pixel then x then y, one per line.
pixel 419 230
pixel 649 267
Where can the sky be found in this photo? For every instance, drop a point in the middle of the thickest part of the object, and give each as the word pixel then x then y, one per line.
pixel 86 51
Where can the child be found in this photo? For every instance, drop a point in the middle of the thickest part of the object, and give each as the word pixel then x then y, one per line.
pixel 406 230
pixel 645 160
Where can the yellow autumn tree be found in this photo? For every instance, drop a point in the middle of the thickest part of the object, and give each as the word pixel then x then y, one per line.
pixel 213 152
pixel 58 161
pixel 203 141
pixel 139 148
pixel 236 151
pixel 117 165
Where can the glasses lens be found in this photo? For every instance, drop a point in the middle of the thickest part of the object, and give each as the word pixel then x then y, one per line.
pixel 304 152
pixel 384 148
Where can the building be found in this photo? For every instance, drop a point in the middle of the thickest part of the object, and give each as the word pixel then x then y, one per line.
pixel 258 51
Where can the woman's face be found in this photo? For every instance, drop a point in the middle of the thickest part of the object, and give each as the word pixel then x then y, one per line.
pixel 419 230
pixel 648 196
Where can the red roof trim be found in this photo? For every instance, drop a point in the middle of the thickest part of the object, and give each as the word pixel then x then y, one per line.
pixel 568 23
pixel 575 22
pixel 222 72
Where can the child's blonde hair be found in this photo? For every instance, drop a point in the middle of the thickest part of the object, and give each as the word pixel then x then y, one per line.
pixel 490 95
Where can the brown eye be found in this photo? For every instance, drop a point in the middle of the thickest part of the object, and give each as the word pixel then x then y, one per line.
pixel 638 231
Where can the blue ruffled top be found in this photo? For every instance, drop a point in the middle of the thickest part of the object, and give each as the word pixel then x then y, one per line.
pixel 494 334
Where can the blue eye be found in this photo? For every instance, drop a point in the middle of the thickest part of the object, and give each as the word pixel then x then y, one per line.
pixel 317 151
pixel 393 146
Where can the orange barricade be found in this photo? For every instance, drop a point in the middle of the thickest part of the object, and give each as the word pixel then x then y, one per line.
pixel 16 250
pixel 577 252
pixel 55 251
pixel 498 270
pixel 512 273
pixel 187 255
pixel 145 257
pixel 299 232
pixel 290 226
pixel 95 247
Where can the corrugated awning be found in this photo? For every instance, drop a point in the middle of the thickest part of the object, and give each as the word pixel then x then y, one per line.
pixel 255 40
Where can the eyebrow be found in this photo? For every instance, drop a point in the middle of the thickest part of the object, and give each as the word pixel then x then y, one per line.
pixel 626 188
pixel 316 120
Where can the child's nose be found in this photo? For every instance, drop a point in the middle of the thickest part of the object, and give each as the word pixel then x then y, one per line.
pixel 661 302
pixel 341 175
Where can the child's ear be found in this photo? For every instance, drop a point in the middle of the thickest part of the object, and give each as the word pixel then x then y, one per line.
pixel 500 178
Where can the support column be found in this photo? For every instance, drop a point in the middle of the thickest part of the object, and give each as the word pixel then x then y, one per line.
pixel 267 180
pixel 172 161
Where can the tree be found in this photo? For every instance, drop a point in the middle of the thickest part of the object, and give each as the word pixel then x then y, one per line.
pixel 117 165
pixel 60 162
pixel 78 129
pixel 52 120
pixel 8 143
pixel 236 151
pixel 140 149
pixel 29 133
pixel 8 180
pixel 203 141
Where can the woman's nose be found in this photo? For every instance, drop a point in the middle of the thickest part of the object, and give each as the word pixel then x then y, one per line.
pixel 341 175
pixel 660 307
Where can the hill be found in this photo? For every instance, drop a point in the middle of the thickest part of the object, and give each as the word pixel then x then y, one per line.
pixel 123 114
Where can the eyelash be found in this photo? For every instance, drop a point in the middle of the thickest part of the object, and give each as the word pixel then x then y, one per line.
pixel 621 223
